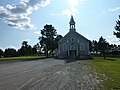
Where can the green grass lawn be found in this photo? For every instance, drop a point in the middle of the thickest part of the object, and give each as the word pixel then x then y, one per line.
pixel 22 58
pixel 111 68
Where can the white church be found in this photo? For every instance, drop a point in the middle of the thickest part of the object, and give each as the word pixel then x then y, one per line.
pixel 73 45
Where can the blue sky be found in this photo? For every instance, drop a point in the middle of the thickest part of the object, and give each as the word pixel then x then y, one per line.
pixel 23 19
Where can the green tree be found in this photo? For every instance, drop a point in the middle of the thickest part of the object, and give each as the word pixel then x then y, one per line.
pixel 25 43
pixel 34 51
pixel 1 53
pixel 115 47
pixel 117 28
pixel 102 46
pixel 90 46
pixel 25 50
pixel 10 52
pixel 95 46
pixel 118 47
pixel 47 39
pixel 38 48
pixel 57 39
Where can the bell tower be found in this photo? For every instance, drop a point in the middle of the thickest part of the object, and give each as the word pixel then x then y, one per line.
pixel 72 24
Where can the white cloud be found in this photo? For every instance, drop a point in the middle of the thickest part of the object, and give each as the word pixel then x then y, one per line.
pixel 73 7
pixel 16 15
pixel 112 40
pixel 28 40
pixel 70 11
pixel 114 9
pixel 37 32
pixel 10 46
pixel 53 14
pixel 2 48
pixel 110 10
pixel 74 3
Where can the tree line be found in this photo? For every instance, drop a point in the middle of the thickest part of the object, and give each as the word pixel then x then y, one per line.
pixel 48 42
pixel 102 47
pixel 25 50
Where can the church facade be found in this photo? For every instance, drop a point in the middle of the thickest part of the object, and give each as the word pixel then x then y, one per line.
pixel 73 45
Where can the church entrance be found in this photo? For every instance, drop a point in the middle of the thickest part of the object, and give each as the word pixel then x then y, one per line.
pixel 72 51
pixel 73 54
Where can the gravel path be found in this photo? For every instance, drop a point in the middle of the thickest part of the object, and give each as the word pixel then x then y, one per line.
pixel 47 74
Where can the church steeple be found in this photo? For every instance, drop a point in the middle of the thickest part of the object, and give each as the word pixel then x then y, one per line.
pixel 72 24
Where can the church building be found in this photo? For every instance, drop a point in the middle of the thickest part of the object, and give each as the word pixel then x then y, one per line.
pixel 73 45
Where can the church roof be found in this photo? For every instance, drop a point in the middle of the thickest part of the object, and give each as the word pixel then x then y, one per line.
pixel 72 33
pixel 75 34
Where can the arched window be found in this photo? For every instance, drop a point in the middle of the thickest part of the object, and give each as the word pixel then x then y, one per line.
pixel 82 47
pixel 64 47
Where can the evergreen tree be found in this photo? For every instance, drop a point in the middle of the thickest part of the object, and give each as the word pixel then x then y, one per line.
pixel 1 53
pixel 117 28
pixel 38 48
pixel 25 49
pixel 102 46
pixel 95 46
pixel 59 37
pixel 47 39
pixel 90 46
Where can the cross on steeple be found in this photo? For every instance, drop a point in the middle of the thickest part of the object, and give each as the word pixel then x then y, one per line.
pixel 72 24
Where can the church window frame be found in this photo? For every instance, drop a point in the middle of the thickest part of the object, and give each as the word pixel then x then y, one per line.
pixel 82 46
pixel 72 39
pixel 64 47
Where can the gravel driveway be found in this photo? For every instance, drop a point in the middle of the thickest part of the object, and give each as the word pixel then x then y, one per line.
pixel 47 74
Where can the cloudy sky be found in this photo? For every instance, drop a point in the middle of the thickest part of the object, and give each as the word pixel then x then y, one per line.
pixel 23 19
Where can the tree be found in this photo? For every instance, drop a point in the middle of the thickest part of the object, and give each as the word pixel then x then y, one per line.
pixel 118 47
pixel 1 53
pixel 10 52
pixel 57 39
pixel 90 46
pixel 95 46
pixel 117 28
pixel 38 48
pixel 25 49
pixel 111 48
pixel 115 47
pixel 47 39
pixel 102 46
pixel 34 51
pixel 25 43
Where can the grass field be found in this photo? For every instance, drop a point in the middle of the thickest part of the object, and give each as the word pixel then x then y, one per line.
pixel 110 68
pixel 22 58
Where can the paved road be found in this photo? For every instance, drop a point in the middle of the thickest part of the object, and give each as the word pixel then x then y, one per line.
pixel 47 74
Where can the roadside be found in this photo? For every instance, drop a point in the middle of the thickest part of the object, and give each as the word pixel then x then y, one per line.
pixel 108 71
pixel 22 58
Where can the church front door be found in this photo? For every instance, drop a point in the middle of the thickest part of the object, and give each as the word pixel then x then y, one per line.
pixel 73 54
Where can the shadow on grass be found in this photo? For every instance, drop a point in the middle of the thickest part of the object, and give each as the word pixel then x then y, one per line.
pixel 110 59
